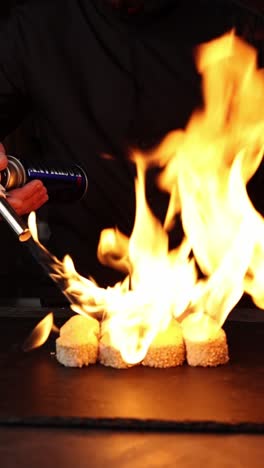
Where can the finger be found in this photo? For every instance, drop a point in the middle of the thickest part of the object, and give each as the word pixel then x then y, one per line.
pixel 22 206
pixel 37 202
pixel 28 198
pixel 3 160
pixel 28 190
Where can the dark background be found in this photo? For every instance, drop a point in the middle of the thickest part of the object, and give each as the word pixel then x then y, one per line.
pixel 20 277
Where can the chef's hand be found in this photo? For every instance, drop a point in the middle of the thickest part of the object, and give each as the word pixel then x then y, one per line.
pixel 28 198
pixel 3 158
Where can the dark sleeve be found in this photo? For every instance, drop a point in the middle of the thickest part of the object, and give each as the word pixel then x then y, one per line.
pixel 14 105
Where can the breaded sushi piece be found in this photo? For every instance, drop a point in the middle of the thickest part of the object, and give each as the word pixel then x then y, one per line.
pixel 110 356
pixel 205 351
pixel 78 344
pixel 167 349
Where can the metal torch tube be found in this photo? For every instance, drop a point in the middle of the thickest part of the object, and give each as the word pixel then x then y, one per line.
pixel 23 233
pixel 18 226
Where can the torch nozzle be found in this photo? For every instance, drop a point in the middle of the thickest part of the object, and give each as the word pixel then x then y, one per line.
pixel 8 213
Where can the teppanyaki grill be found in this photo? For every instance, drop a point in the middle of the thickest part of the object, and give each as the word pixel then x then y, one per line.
pixel 224 399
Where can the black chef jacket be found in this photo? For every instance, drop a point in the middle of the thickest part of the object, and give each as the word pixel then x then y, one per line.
pixel 102 81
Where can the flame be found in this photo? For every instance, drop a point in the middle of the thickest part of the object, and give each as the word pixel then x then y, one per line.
pixel 205 169
pixel 40 333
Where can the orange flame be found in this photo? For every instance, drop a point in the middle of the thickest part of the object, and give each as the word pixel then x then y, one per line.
pixel 206 170
pixel 40 333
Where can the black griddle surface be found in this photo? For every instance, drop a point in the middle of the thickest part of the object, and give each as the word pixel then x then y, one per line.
pixel 36 390
pixel 56 448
